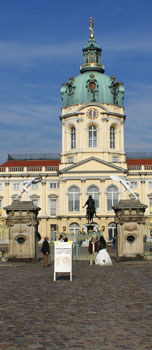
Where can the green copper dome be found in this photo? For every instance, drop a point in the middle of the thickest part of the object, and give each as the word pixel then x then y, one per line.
pixel 92 85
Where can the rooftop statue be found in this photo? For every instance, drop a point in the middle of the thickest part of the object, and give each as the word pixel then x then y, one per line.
pixel 127 184
pixel 91 28
pixel 26 184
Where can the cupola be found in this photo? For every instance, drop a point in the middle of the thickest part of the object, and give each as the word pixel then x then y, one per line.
pixel 92 53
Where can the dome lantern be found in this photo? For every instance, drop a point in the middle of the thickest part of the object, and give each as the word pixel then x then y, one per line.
pixel 92 53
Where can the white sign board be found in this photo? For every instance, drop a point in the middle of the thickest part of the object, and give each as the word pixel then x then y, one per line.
pixel 63 258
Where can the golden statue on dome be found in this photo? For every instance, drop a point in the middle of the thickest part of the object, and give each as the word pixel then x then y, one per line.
pixel 91 28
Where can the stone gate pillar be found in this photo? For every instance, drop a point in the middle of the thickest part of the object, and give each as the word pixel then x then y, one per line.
pixel 130 220
pixel 22 225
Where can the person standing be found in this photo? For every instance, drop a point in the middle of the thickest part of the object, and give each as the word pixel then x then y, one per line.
pixel 61 239
pixel 93 249
pixel 103 258
pixel 45 251
pixel 102 243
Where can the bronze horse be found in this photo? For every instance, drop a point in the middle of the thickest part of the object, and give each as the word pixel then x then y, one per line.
pixel 91 210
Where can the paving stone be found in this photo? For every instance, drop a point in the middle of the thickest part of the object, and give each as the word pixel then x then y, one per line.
pixel 106 308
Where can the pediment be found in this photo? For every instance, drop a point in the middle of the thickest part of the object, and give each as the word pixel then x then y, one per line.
pixel 92 165
pixel 92 104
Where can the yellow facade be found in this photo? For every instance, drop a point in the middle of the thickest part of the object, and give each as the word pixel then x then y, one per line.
pixel 87 172
pixel 92 151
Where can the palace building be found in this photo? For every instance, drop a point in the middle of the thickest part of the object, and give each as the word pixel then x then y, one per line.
pixel 92 122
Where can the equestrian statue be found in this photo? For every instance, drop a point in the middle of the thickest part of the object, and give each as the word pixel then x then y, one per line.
pixel 91 210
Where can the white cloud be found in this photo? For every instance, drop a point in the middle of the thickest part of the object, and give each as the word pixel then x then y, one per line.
pixel 13 52
pixel 28 115
pixel 121 45
pixel 138 126
pixel 20 53
pixel 29 128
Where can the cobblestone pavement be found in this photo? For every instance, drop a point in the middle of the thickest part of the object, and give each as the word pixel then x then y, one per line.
pixel 103 308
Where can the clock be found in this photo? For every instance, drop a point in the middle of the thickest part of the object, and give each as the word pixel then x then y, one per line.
pixel 92 113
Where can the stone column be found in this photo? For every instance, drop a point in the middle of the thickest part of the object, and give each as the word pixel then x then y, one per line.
pixel 7 186
pixel 105 120
pixel 43 183
pixel 102 209
pixel 142 190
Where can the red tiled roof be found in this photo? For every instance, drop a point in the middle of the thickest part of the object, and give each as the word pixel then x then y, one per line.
pixel 22 163
pixel 139 161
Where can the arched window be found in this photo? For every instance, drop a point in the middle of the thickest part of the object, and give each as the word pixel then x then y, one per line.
pixel 111 231
pixel 112 197
pixel 73 138
pixel 94 192
pixel 73 199
pixel 97 58
pixel 112 137
pixel 74 228
pixel 92 58
pixel 92 136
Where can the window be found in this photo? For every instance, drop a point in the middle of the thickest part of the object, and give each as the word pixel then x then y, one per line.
pixel 92 136
pixel 150 184
pixel 134 184
pixel 53 185
pixel 70 159
pixel 0 186
pixel 94 192
pixel 73 199
pixel 35 202
pixel 150 204
pixel 73 138
pixel 1 203
pixel 53 206
pixel 112 137
pixel 53 231
pixel 112 197
pixel 34 186
pixel 74 228
pixel 92 58
pixel 111 231
pixel 115 159
pixel 97 58
pixel 16 186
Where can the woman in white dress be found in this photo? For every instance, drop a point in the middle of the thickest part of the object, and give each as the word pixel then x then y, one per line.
pixel 103 258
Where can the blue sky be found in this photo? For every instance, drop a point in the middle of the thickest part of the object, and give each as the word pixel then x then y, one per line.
pixel 41 45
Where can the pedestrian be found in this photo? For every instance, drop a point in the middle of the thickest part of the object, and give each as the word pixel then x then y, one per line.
pixel 103 258
pixel 93 249
pixel 45 251
pixel 102 243
pixel 61 238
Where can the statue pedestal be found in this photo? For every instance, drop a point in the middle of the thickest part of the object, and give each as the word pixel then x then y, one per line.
pixel 130 220
pixel 90 226
pixel 22 224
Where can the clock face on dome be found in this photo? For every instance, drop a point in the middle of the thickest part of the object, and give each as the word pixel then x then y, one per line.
pixel 92 113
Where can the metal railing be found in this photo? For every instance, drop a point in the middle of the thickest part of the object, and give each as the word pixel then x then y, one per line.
pixel 80 244
pixel 148 249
